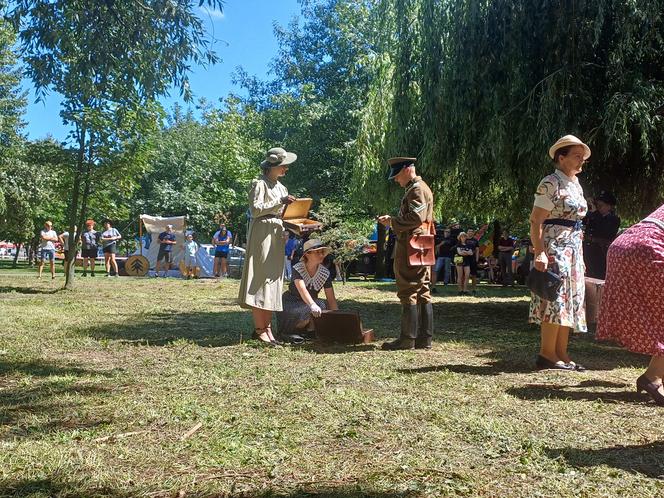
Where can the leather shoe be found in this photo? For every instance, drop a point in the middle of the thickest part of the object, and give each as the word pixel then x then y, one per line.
pixel 292 338
pixel 652 388
pixel 545 364
pixel 577 366
pixel 399 344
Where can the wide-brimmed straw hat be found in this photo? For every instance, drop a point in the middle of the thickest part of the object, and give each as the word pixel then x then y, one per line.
pixel 314 244
pixel 396 164
pixel 278 157
pixel 566 141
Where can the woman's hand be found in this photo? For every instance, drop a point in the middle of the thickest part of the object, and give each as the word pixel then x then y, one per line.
pixel 315 310
pixel 288 199
pixel 385 220
pixel 541 261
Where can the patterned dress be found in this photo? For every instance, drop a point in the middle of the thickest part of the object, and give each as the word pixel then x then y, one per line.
pixel 295 309
pixel 632 308
pixel 563 197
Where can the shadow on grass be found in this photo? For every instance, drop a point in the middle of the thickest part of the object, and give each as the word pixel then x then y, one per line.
pixel 53 487
pixel 6 289
pixel 77 489
pixel 643 459
pixel 159 329
pixel 536 392
pixel 46 404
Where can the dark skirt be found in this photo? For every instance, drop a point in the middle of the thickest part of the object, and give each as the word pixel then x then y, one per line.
pixel 294 310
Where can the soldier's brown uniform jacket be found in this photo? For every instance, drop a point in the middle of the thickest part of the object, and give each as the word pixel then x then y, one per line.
pixel 416 208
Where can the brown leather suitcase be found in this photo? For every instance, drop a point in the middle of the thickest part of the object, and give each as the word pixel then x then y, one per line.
pixel 594 291
pixel 343 327
pixel 296 217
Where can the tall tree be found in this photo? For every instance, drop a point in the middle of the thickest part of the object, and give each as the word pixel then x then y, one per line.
pixel 110 61
pixel 494 83
pixel 12 108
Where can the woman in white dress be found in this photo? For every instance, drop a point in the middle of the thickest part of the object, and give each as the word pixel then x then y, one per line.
pixel 263 272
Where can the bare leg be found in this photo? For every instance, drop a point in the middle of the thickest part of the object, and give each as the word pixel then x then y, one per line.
pixel 41 267
pixel 52 263
pixel 224 267
pixel 460 278
pixel 114 263
pixel 549 340
pixel 655 370
pixel 107 263
pixel 262 320
pixel 561 344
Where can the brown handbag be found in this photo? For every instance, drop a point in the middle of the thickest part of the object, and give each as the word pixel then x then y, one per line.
pixel 421 246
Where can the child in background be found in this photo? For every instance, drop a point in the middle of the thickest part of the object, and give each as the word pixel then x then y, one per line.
pixel 190 262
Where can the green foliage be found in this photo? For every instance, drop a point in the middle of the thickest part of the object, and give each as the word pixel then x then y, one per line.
pixel 202 169
pixel 480 89
pixel 110 61
pixel 343 231
pixel 12 108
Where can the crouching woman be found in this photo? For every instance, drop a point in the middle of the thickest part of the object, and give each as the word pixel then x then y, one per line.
pixel 300 301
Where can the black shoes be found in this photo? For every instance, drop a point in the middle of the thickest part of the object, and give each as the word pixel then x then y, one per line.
pixel 652 388
pixel 544 364
pixel 400 344
pixel 416 328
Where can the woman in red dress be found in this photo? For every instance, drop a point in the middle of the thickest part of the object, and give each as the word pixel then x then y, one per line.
pixel 632 306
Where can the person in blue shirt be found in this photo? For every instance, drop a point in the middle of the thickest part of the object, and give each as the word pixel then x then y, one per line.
pixel 166 243
pixel 222 244
pixel 291 245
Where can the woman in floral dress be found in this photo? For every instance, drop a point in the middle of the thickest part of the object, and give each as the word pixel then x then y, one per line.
pixel 555 230
pixel 632 308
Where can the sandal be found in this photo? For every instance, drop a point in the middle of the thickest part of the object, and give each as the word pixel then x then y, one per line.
pixel 256 335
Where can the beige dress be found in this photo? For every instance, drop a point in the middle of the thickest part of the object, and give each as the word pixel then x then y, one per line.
pixel 263 272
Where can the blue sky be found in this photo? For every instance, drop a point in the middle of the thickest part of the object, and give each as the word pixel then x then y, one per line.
pixel 245 37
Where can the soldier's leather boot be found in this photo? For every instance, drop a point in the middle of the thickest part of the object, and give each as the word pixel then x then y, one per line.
pixel 408 330
pixel 425 329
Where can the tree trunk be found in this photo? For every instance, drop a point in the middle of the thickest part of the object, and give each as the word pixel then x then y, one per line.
pixel 73 209
pixel 380 253
pixel 18 249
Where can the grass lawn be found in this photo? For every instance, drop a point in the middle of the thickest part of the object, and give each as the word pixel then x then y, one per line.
pixel 137 387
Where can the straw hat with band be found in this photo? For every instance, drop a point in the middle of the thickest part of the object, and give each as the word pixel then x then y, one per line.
pixel 396 164
pixel 566 141
pixel 313 245
pixel 278 157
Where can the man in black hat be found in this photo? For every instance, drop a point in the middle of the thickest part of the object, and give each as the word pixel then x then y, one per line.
pixel 412 281
pixel 602 226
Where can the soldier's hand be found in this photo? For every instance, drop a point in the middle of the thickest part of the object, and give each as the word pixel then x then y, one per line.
pixel 288 199
pixel 385 220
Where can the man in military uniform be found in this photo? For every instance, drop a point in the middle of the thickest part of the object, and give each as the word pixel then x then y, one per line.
pixel 413 282
pixel 602 226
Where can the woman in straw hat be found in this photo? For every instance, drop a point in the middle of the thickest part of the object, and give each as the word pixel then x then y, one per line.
pixel 301 302
pixel 555 230
pixel 262 275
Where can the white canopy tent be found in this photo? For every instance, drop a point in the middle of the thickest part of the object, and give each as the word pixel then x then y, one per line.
pixel 154 225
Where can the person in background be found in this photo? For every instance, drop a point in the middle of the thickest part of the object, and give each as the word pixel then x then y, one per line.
pixel 47 239
pixel 445 255
pixel 300 302
pixel 262 280
pixel 555 231
pixel 291 245
pixel 166 242
pixel 474 244
pixel 222 244
pixel 64 240
pixel 505 252
pixel 632 308
pixel 190 260
pixel 109 242
pixel 601 228
pixel 90 241
pixel 462 260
